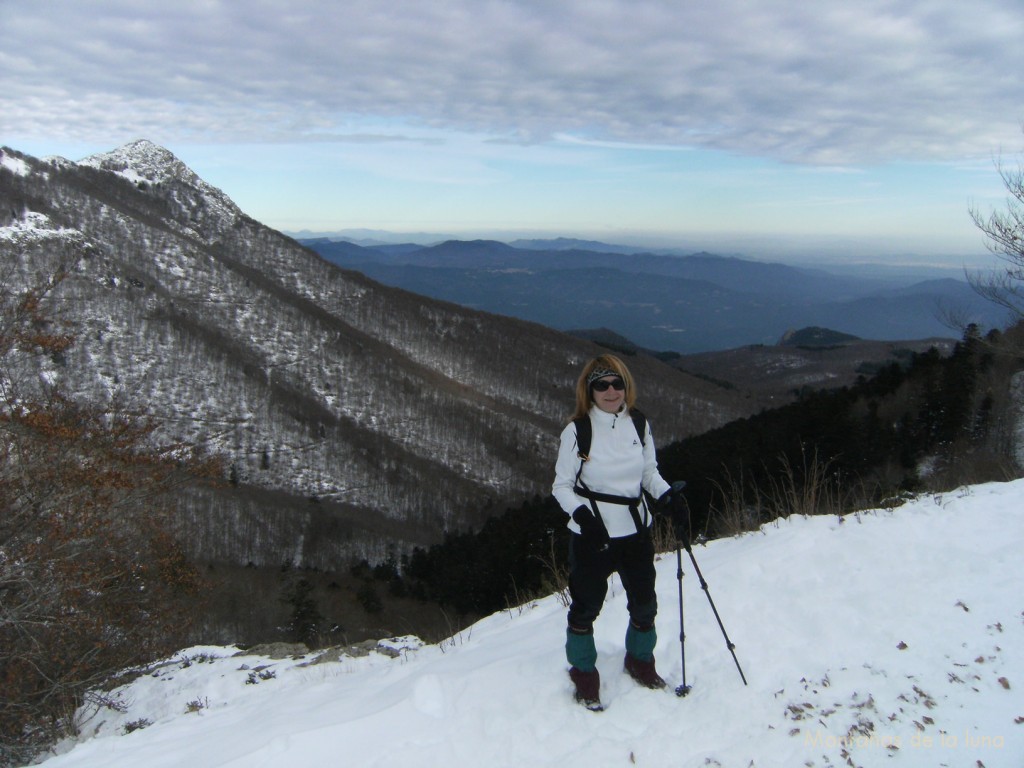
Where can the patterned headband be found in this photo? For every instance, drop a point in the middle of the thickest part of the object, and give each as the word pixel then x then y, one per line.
pixel 600 373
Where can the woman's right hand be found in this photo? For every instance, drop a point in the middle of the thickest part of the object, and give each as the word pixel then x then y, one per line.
pixel 592 530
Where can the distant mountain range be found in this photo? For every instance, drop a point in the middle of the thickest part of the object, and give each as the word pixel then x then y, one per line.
pixel 664 301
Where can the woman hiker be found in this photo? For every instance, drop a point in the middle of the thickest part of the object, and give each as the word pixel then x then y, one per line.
pixel 606 460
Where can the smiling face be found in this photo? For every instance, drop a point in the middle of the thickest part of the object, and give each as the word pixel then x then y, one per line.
pixel 604 371
pixel 608 393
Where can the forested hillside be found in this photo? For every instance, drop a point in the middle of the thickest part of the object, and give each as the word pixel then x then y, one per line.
pixel 350 417
pixel 930 424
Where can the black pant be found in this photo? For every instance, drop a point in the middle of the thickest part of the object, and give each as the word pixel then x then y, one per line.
pixel 632 557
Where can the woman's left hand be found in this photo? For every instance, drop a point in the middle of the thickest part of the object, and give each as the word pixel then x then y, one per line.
pixel 672 504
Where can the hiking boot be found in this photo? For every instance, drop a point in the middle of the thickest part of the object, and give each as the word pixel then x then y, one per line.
pixel 643 672
pixel 588 687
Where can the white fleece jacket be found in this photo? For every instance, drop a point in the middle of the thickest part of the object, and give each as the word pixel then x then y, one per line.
pixel 619 465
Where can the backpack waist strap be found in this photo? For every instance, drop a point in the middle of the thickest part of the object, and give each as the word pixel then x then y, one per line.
pixel 627 501
pixel 608 498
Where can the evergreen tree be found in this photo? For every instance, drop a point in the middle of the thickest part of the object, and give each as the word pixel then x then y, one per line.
pixel 305 620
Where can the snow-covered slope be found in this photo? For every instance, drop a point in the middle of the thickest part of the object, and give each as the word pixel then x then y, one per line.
pixel 885 638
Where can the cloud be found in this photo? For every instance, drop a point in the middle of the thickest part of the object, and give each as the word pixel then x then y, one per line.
pixel 830 82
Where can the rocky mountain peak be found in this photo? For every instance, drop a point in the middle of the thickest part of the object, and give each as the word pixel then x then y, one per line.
pixel 144 163
pixel 142 159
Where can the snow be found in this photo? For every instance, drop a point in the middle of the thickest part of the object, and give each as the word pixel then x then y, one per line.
pixel 15 165
pixel 888 637
pixel 31 227
pixel 136 161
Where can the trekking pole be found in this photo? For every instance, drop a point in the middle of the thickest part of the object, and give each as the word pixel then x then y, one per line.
pixel 683 689
pixel 704 585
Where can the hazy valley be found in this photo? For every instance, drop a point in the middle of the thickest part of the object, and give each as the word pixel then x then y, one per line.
pixel 685 303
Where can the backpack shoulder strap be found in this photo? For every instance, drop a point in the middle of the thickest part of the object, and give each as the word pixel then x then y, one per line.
pixel 640 423
pixel 584 435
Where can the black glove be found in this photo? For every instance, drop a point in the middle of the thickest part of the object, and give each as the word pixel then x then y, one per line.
pixel 591 529
pixel 672 505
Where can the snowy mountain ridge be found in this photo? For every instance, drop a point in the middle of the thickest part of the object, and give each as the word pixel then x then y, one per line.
pixel 881 638
pixel 354 419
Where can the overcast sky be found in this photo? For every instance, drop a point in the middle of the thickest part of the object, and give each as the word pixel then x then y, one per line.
pixel 860 127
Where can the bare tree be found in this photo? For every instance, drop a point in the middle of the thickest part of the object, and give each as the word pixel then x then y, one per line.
pixel 1004 231
pixel 90 580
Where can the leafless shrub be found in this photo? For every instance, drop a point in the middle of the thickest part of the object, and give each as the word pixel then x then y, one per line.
pixel 735 509
pixel 556 570
pixel 813 488
pixel 90 581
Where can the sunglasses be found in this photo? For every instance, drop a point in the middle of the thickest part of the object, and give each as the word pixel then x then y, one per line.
pixel 602 384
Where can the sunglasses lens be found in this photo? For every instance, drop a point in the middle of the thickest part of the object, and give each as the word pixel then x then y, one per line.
pixel 602 384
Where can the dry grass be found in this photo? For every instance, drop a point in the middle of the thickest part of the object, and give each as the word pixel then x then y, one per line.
pixel 815 487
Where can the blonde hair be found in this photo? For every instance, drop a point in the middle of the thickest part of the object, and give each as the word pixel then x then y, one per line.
pixel 611 363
